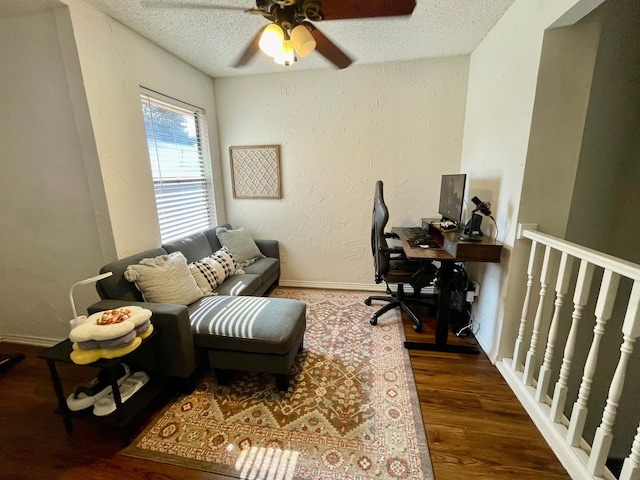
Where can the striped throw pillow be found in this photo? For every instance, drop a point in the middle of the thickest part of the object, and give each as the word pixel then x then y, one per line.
pixel 213 270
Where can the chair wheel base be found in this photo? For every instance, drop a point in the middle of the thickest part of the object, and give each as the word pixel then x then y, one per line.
pixel 373 321
pixel 367 302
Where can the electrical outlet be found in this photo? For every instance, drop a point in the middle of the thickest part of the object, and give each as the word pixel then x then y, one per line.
pixel 472 291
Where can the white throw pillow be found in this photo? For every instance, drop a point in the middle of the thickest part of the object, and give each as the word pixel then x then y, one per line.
pixel 165 279
pixel 240 244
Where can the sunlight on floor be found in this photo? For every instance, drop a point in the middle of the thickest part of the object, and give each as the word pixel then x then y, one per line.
pixel 266 463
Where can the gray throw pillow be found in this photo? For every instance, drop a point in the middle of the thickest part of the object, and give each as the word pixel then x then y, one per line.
pixel 240 244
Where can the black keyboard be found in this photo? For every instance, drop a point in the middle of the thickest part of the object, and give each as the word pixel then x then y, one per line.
pixel 418 237
pixel 416 232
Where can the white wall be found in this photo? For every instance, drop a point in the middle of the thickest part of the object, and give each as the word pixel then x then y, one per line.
pixel 503 77
pixel 339 132
pixel 49 236
pixel 115 62
pixel 76 188
pixel 603 215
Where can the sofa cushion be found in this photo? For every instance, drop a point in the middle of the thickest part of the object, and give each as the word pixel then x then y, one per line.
pixel 165 279
pixel 248 324
pixel 240 243
pixel 240 285
pixel 194 247
pixel 266 267
pixel 116 286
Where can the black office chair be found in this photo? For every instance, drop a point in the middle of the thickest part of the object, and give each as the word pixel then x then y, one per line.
pixel 392 267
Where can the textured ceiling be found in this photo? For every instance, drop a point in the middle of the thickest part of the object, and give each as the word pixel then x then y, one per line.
pixel 212 40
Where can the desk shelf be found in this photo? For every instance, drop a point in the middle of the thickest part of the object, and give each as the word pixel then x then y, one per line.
pixel 484 250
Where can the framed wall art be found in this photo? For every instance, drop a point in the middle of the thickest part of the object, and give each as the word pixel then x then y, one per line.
pixel 255 171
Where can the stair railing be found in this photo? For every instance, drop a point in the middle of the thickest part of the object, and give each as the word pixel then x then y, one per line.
pixel 530 373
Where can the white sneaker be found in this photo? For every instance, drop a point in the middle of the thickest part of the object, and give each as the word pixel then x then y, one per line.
pixel 107 404
pixel 89 394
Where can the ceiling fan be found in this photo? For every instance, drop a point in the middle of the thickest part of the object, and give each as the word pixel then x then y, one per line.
pixel 291 32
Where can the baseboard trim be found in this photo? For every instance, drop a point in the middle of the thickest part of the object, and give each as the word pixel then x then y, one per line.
pixel 361 287
pixel 332 286
pixel 28 340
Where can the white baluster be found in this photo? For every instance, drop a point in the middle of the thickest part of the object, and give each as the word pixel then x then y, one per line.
pixel 529 364
pixel 562 286
pixel 604 433
pixel 603 310
pixel 580 298
pixel 519 347
pixel 631 465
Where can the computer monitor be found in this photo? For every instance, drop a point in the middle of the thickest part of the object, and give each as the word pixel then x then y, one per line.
pixel 452 197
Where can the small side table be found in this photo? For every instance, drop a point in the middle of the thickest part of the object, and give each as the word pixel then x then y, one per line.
pixel 124 412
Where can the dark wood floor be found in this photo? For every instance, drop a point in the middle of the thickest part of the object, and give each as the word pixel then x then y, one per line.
pixel 475 427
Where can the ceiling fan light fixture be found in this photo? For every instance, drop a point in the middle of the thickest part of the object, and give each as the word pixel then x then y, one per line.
pixel 302 40
pixel 271 40
pixel 286 56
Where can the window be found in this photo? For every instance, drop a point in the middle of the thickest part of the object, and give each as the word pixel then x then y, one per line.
pixel 180 165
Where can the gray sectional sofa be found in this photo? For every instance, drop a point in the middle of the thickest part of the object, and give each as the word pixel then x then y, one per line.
pixel 179 346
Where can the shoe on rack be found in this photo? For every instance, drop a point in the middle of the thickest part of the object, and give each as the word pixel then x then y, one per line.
pixel 87 395
pixel 107 404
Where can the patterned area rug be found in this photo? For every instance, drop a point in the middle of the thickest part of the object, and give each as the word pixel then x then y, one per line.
pixel 351 411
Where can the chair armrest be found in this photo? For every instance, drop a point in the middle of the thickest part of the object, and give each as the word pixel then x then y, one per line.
pixel 392 250
pixel 395 253
pixel 175 351
pixel 269 248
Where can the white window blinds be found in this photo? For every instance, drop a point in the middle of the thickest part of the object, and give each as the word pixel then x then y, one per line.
pixel 180 165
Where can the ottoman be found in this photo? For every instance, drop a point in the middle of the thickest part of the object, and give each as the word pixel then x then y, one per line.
pixel 258 334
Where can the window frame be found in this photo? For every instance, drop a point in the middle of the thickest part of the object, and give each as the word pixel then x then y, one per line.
pixel 181 172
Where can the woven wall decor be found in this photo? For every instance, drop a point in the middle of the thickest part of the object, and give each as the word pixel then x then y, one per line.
pixel 255 171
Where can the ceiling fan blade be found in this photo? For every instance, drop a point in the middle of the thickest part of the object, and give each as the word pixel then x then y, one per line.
pixel 346 9
pixel 250 51
pixel 328 49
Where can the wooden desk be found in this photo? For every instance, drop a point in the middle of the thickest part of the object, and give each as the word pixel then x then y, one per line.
pixel 454 250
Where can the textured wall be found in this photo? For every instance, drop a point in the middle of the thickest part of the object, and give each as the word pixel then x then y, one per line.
pixel 115 62
pixel 503 84
pixel 339 132
pixel 47 215
pixel 79 186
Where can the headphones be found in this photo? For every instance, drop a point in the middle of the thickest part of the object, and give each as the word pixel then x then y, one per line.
pixel 457 282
